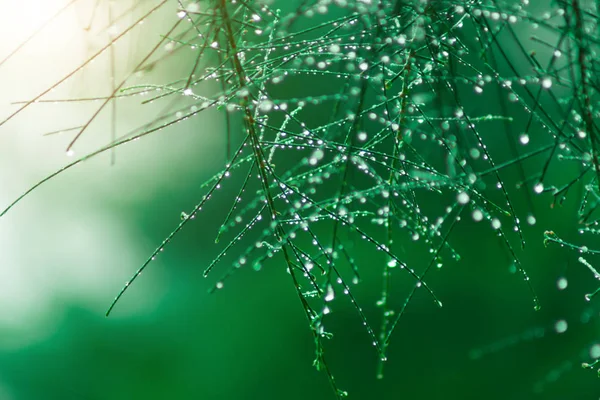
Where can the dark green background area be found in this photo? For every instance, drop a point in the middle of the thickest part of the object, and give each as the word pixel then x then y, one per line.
pixel 251 340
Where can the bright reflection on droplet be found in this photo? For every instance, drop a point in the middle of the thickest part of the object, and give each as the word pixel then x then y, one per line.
pixel 561 326
pixel 463 198
pixel 547 83
pixel 496 224
pixel 562 283
pixel 524 138
pixel 595 351
pixel 477 215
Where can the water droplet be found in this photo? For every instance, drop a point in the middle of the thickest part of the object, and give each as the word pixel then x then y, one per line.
pixel 595 351
pixel 496 224
pixel 193 7
pixel 547 83
pixel 561 326
pixel 524 139
pixel 330 293
pixel 562 283
pixel 463 198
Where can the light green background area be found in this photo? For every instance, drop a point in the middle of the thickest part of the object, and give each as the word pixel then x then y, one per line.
pixel 67 250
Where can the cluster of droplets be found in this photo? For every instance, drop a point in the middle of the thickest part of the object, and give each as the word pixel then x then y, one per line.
pixel 379 125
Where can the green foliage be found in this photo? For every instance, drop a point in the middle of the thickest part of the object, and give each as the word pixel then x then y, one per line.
pixel 373 126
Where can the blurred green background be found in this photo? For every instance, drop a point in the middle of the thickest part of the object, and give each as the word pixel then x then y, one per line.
pixel 68 248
